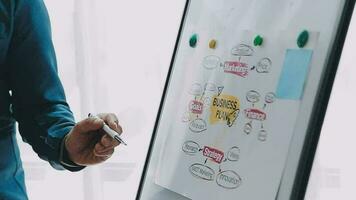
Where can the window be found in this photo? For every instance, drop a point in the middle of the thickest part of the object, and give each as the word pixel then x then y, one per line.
pixel 113 56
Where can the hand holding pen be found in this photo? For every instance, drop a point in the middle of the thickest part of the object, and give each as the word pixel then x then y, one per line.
pixel 93 140
pixel 110 132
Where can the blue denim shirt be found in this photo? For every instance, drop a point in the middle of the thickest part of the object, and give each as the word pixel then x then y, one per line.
pixel 30 93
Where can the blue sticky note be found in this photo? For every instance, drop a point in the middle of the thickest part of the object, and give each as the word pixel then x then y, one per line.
pixel 294 73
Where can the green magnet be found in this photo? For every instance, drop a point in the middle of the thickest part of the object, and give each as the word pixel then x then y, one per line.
pixel 303 39
pixel 193 40
pixel 258 40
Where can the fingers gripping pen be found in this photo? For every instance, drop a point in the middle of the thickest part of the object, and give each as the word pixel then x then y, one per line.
pixel 110 132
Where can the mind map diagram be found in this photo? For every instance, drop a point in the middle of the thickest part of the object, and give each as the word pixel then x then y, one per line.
pixel 209 105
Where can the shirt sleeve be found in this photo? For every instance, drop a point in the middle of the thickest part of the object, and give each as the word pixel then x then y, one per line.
pixel 39 103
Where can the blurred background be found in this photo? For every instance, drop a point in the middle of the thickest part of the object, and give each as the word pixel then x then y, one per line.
pixel 113 56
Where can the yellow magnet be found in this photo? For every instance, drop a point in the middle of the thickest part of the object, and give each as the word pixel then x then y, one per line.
pixel 212 44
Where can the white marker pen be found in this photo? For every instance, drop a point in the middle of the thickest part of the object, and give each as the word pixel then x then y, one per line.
pixel 109 131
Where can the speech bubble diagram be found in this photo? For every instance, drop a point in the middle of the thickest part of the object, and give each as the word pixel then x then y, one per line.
pixel 211 62
pixel 202 172
pixel 196 89
pixel 262 135
pixel 228 179
pixel 211 87
pixel 198 125
pixel 270 97
pixel 233 154
pixel 190 147
pixel 264 65
pixel 242 50
pixel 253 96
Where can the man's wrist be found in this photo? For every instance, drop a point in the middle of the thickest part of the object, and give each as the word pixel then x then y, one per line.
pixel 65 160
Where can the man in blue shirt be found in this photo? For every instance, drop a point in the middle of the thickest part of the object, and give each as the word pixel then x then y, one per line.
pixel 31 94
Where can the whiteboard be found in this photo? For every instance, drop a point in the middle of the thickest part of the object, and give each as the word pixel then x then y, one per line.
pixel 267 124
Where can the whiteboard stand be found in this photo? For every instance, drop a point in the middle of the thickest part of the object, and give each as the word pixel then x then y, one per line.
pixel 302 148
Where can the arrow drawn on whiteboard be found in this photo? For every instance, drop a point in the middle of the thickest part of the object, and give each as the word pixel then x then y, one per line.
pixel 220 89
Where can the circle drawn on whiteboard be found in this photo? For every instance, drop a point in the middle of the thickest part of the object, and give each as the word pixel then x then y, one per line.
pixel 202 172
pixel 211 62
pixel 211 87
pixel 253 96
pixel 242 50
pixel 233 154
pixel 248 128
pixel 197 125
pixel 196 89
pixel 262 135
pixel 228 179
pixel 190 147
pixel 270 97
pixel 264 65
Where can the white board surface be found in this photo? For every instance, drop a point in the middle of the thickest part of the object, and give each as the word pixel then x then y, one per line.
pixel 251 147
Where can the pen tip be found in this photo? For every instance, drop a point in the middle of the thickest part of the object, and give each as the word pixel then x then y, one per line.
pixel 120 140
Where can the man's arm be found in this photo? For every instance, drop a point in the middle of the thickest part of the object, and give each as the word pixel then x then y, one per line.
pixel 39 103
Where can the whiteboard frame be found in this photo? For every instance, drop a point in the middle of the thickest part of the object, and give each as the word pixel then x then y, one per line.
pixel 300 173
pixel 306 158
pixel 164 94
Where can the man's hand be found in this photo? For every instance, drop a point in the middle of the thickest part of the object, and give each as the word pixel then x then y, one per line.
pixel 87 143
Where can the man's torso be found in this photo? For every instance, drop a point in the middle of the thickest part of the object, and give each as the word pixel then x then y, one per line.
pixel 11 172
